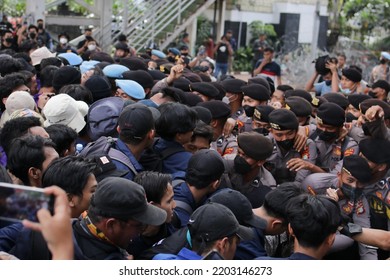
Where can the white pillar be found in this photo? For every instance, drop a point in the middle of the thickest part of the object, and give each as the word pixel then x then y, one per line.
pixel 221 19
pixel 192 34
pixel 105 11
pixel 35 10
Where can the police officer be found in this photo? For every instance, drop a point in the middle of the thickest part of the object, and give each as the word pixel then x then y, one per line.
pixel 206 91
pixel 300 107
pixel 226 146
pixel 284 127
pixel 347 186
pixel 332 147
pixel 260 120
pixel 246 172
pixel 254 94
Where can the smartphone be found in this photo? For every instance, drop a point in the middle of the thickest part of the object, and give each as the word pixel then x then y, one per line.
pixel 22 202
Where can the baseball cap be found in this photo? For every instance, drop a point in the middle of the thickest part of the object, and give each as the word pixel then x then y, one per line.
pixel 240 206
pixel 124 199
pixel 213 221
pixel 63 109
pixel 136 120
pixel 39 54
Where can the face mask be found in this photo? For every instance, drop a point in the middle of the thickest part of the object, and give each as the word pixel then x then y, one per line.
pixel 91 47
pixel 261 130
pixel 326 135
pixel 33 35
pixel 286 144
pixel 63 40
pixel 372 94
pixel 249 110
pixel 241 165
pixel 171 59
pixel 328 82
pixel 345 91
pixel 350 192
pixel 40 26
pixel 350 117
pixel 9 40
pixel 226 100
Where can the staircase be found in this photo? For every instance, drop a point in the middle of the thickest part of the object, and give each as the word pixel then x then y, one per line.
pixel 159 21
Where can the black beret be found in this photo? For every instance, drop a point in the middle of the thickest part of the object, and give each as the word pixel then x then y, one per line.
pixel 318 101
pixel 157 75
pixel 352 74
pixel 298 92
pixel 182 83
pixel 331 114
pixel 356 99
pixel 256 92
pixel 205 89
pixel 192 77
pixel 283 119
pixel 375 150
pixel 337 98
pixel 357 167
pixel 259 80
pixel 221 90
pixel 140 76
pixel 190 99
pixel 299 106
pixel 255 145
pixel 217 108
pixel 262 112
pixel 174 93
pixel 203 113
pixel 381 84
pixel 102 57
pixel 134 63
pixel 372 102
pixel 233 85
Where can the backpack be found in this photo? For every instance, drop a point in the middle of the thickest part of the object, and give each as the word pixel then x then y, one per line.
pixel 104 146
pixel 153 161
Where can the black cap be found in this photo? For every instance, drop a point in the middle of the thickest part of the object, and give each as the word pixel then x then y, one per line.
pixel 372 102
pixel 140 76
pixel 261 81
pixel 182 83
pixel 298 92
pixel 203 113
pixel 136 120
pixel 233 85
pixel 124 199
pixel 337 98
pixel 102 57
pixel 174 93
pixel 192 77
pixel 213 221
pixel 256 92
pixel 240 206
pixel 357 167
pixel 221 90
pixel 352 74
pixel 217 108
pixel 283 119
pixel 331 114
pixel 381 84
pixel 99 87
pixel 299 106
pixel 66 75
pixel 255 145
pixel 134 63
pixel 375 150
pixel 205 89
pixel 262 112
pixel 157 75
pixel 356 99
pixel 190 99
pixel 317 101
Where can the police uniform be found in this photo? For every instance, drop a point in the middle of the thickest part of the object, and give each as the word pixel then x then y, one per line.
pixel 226 146
pixel 283 119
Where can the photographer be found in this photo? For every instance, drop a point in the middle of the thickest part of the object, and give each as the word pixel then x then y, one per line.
pixel 327 68
pixel 8 41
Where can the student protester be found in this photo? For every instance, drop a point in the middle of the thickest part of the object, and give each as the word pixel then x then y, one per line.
pixel 64 138
pixel 267 67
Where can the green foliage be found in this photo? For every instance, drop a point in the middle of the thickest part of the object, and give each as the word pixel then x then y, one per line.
pixel 204 29
pixel 13 8
pixel 257 27
pixel 243 59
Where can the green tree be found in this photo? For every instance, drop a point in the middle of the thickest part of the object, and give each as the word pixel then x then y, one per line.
pixel 257 27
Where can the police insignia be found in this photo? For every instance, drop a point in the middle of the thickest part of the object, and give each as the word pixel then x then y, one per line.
pixel 257 114
pixel 315 101
pixel 288 107
pixel 311 190
pixel 229 151
pixel 305 154
pixel 319 120
pixel 337 150
pixel 349 152
pixel 348 207
pixel 360 208
pixel 275 126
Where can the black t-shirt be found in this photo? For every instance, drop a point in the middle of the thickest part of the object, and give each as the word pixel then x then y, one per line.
pixel 222 54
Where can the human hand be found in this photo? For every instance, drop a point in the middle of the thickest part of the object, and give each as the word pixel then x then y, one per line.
pixel 56 229
pixel 331 66
pixel 374 112
pixel 228 127
pixel 332 193
pixel 300 139
pixel 296 164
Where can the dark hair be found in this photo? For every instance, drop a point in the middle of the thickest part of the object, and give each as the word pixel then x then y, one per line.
pixel 16 128
pixel 78 92
pixel 69 173
pixel 26 152
pixel 8 84
pixel 63 136
pixel 28 45
pixel 32 26
pixel 53 61
pixel 154 183
pixel 269 49
pixel 342 55
pixel 356 68
pixel 313 218
pixel 175 118
pixel 46 75
pixel 4 176
pixel 9 65
pixel 203 130
pixel 275 201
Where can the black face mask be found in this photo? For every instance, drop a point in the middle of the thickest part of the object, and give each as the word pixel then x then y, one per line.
pixel 326 135
pixel 328 82
pixel 366 131
pixel 350 192
pixel 249 110
pixel 9 40
pixel 40 26
pixel 372 94
pixel 350 117
pixel 241 165
pixel 33 35
pixel 171 59
pixel 286 144
pixel 261 130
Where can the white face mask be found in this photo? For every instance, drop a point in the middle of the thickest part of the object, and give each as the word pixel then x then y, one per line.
pixel 63 40
pixel 91 47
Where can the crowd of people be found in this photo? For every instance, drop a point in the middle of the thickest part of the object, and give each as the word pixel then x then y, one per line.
pixel 178 160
